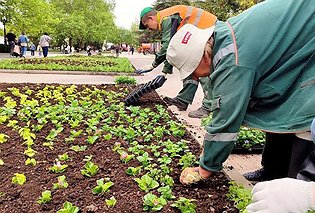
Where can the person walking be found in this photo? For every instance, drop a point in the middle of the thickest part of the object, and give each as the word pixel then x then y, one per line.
pixel 23 41
pixel 17 50
pixel 260 75
pixel 168 21
pixel 88 50
pixel 44 43
pixel 39 50
pixel 11 37
pixel 132 50
pixel 32 48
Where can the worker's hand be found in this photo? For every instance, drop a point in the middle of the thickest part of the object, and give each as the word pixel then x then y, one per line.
pixel 283 196
pixel 193 175
pixel 145 69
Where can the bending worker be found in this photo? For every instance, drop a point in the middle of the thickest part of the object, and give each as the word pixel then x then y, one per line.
pixel 287 194
pixel 261 65
pixel 168 21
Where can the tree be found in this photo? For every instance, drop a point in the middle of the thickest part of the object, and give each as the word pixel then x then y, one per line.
pixel 84 21
pixel 224 9
pixel 31 16
pixel 163 4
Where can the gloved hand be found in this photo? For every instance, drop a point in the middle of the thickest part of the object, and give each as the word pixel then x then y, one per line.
pixel 283 196
pixel 145 69
pixel 192 175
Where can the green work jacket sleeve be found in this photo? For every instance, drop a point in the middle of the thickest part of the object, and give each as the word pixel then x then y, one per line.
pixel 231 88
pixel 167 34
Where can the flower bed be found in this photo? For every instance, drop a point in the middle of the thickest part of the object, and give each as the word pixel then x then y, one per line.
pixel 79 147
pixel 249 140
pixel 70 63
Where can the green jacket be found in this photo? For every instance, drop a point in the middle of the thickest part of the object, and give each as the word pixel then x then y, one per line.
pixel 168 27
pixel 263 75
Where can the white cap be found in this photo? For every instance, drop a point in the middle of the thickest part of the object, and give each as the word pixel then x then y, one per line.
pixel 186 48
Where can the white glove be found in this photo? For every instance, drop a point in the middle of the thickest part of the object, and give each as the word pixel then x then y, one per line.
pixel 284 195
pixel 145 69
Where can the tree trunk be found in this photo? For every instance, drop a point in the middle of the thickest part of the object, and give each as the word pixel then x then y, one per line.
pixel 70 43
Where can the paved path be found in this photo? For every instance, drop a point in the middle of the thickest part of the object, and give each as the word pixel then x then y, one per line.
pixel 241 163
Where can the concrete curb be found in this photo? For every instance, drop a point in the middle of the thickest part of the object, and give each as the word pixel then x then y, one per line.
pixel 61 72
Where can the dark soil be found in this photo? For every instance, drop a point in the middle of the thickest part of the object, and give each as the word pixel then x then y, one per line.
pixel 209 196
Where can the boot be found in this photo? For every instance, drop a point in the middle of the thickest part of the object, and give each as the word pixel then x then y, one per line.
pixel 258 175
pixel 199 113
pixel 182 106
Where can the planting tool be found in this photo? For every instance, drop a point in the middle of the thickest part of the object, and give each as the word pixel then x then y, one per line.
pixel 135 95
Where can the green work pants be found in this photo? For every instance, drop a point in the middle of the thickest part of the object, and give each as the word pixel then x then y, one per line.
pixel 190 86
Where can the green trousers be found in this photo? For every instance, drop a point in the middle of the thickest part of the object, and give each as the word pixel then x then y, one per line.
pixel 190 86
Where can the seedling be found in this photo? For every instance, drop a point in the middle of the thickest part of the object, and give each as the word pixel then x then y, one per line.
pixel 30 152
pixel 31 161
pixel 13 124
pixel 68 208
pixel 49 144
pixel 111 202
pixel 45 198
pixel 172 149
pixel 187 160
pixel 63 157
pixel 166 192
pixel 153 203
pixel 165 169
pixel 176 129
pixel 146 183
pixel 92 139
pixel 101 186
pixel 1 162
pixel 133 171
pixel 144 159
pixel 2 94
pixel 87 158
pixel 3 138
pixel 155 150
pixel 242 197
pixel 58 167
pixel 125 157
pixel 77 148
pixel 167 180
pixel 108 136
pixel 19 179
pixel 164 160
pixel 26 134
pixel 61 184
pixel 136 148
pixel 53 134
pixel 76 133
pixel 90 169
pixel 185 205
pixel 117 147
